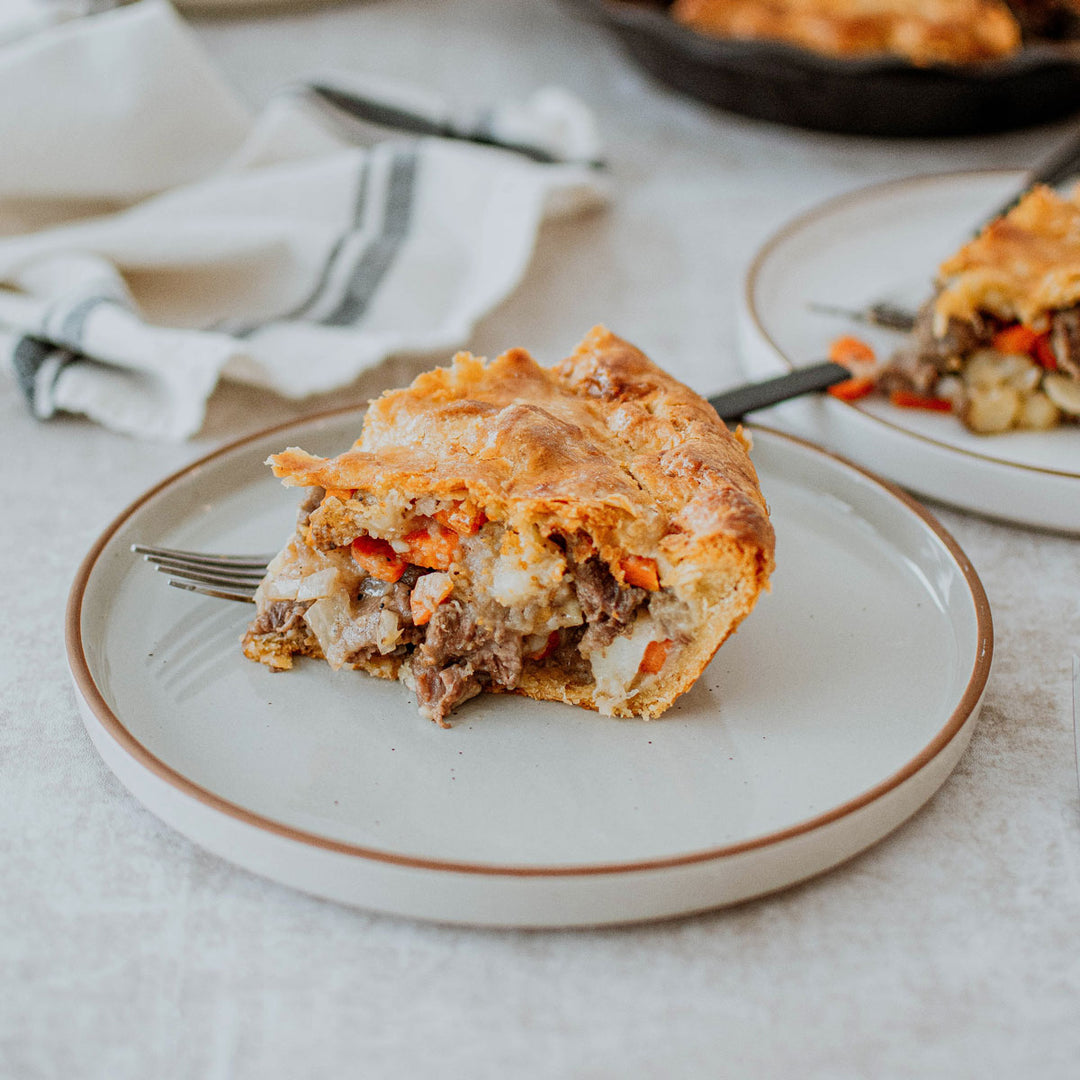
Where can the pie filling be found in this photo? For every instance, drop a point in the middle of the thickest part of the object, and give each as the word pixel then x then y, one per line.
pixel 455 603
pixel 996 374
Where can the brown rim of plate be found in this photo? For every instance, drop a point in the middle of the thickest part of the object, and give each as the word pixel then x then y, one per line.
pixel 822 210
pixel 115 728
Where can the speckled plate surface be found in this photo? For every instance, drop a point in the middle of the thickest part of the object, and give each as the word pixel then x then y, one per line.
pixel 806 740
pixel 885 243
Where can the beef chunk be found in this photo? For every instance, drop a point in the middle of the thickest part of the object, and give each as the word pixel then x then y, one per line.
pixel 569 659
pixel 455 633
pixel 919 365
pixel 391 595
pixel 600 595
pixel 608 607
pixel 280 617
pixel 461 654
pixel 1065 341
pixel 362 635
pixel 437 692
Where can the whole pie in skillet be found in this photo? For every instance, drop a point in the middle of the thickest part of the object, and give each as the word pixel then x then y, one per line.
pixel 588 533
pixel 921 31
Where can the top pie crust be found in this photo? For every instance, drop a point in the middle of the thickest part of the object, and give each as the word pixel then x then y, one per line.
pixel 922 31
pixel 605 442
pixel 1022 267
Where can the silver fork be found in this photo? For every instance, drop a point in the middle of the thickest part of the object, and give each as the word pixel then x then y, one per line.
pixel 227 577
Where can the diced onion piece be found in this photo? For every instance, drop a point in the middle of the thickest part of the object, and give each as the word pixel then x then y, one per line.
pixel 328 619
pixel 427 594
pixel 389 631
pixel 951 388
pixel 616 667
pixel 641 571
pixel 317 585
pixel 280 588
pixel 1063 392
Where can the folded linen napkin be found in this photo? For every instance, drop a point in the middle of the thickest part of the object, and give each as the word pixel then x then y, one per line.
pixel 155 236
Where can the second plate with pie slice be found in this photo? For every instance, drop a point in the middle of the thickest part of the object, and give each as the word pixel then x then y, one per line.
pixel 884 243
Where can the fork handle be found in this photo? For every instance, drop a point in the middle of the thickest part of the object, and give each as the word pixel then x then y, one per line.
pixel 734 404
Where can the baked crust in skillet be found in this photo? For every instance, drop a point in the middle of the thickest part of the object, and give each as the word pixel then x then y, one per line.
pixel 922 31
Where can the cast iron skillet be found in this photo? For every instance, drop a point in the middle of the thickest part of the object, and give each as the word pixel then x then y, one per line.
pixel 865 96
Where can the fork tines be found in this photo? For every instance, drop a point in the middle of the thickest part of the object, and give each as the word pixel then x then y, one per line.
pixel 227 577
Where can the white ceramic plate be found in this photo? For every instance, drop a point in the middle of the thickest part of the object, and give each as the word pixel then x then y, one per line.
pixel 885 243
pixel 838 709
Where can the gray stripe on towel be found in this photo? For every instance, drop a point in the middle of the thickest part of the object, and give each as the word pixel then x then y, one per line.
pixel 37 365
pixel 320 286
pixel 379 256
pixel 74 321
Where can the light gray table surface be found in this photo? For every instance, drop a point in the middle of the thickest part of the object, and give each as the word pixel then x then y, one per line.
pixel 951 949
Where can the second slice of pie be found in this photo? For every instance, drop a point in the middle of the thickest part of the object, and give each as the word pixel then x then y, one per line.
pixel 588 533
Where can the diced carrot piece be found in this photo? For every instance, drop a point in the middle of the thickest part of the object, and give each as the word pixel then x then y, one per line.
pixel 641 571
pixel 1044 353
pixel 656 653
pixel 427 594
pixel 848 351
pixel 466 518
pixel 852 389
pixel 378 558
pixel 1016 339
pixel 905 399
pixel 550 646
pixel 433 547
pixel 338 493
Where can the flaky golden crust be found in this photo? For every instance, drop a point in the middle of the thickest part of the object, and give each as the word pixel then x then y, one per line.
pixel 604 445
pixel 922 31
pixel 1021 267
pixel 605 441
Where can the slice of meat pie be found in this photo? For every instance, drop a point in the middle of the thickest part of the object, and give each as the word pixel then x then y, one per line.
pixel 1000 340
pixel 588 533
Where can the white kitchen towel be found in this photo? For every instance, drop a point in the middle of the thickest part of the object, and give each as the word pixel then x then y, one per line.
pixel 155 236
